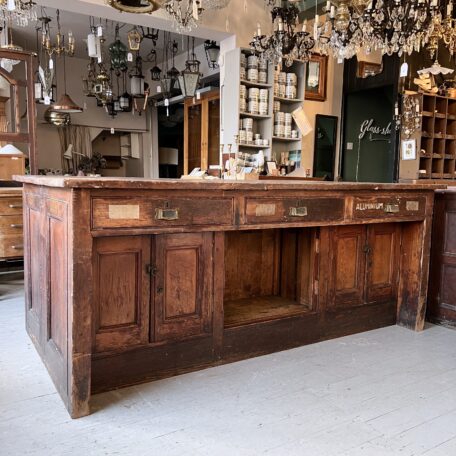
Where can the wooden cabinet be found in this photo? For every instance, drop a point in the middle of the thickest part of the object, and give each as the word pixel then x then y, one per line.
pixel 202 132
pixel 121 292
pixel 182 290
pixel 442 283
pixel 11 165
pixel 364 263
pixel 11 224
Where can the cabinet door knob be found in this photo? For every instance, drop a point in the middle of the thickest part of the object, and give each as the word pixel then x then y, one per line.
pixel 15 206
pixel 16 225
pixel 159 290
pixel 18 247
pixel 151 270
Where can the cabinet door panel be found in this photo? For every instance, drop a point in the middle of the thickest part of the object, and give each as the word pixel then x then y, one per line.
pixel 382 262
pixel 348 266
pixel 121 291
pixel 183 285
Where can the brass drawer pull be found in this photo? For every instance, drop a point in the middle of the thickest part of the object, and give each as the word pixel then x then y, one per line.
pixel 392 208
pixel 166 214
pixel 16 225
pixel 298 211
pixel 15 206
pixel 18 247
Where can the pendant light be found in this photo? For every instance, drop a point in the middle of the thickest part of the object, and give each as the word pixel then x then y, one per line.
pixel 190 77
pixel 173 73
pixel 125 100
pixel 136 6
pixel 65 103
pixel 212 53
pixel 137 79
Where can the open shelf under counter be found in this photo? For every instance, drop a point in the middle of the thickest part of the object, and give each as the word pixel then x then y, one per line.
pixel 255 116
pixel 288 100
pixel 261 85
pixel 259 309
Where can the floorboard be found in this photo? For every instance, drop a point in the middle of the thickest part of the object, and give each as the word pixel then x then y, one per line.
pixel 384 392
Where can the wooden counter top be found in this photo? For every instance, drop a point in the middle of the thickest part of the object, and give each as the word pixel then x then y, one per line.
pixel 178 184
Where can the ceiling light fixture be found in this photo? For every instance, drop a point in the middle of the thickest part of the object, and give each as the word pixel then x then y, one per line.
pixel 136 6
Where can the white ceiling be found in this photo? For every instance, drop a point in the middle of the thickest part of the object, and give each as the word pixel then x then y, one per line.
pixel 79 25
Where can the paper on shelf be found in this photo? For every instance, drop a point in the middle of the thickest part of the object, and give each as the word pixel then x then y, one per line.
pixel 302 121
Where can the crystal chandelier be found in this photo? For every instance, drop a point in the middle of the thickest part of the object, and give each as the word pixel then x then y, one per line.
pixel 20 11
pixel 185 13
pixel 285 44
pixel 408 119
pixel 391 26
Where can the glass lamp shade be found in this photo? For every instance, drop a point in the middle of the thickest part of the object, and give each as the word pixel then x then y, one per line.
pixel 118 53
pixel 212 53
pixel 125 102
pixel 173 73
pixel 188 82
pixel 117 106
pixel 38 92
pixel 59 119
pixel 137 85
pixel 66 104
pixel 155 73
pixel 166 84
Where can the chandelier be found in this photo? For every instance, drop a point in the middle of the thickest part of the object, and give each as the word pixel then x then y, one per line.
pixel 285 44
pixel 185 13
pixel 391 26
pixel 20 11
pixel 58 47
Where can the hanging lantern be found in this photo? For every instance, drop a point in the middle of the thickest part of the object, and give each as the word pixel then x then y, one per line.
pixel 134 39
pixel 155 73
pixel 137 79
pixel 118 53
pixel 190 77
pixel 125 102
pixel 212 53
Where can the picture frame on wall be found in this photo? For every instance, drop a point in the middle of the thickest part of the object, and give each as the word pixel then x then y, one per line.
pixel 316 77
pixel 409 149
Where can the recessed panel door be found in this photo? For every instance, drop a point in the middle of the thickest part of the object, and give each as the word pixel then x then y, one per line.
pixel 182 286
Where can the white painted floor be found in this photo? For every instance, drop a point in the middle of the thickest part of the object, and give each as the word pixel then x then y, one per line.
pixel 382 393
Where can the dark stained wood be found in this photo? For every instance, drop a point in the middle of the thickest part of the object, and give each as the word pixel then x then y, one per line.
pixel 121 292
pixel 182 286
pixel 442 283
pixel 115 305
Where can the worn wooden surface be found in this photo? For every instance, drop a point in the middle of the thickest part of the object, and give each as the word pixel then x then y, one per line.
pixel 141 301
pixel 11 223
pixel 442 286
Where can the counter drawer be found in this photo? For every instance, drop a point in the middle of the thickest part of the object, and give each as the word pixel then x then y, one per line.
pixel 271 210
pixel 388 207
pixel 11 224
pixel 11 246
pixel 160 212
pixel 11 206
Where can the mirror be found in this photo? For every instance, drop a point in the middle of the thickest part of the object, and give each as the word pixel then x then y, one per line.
pixel 325 146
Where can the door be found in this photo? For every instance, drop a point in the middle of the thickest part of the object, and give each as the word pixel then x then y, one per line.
pixel 121 291
pixel 383 251
pixel 348 262
pixel 182 288
pixel 193 135
pixel 202 132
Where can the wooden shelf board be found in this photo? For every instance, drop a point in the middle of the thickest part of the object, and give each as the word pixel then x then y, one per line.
pixel 255 84
pixel 427 114
pixel 439 115
pixel 426 156
pixel 436 155
pixel 451 116
pixel 439 136
pixel 289 100
pixel 254 116
pixel 254 146
pixel 259 309
pixel 448 157
pixel 436 175
pixel 281 139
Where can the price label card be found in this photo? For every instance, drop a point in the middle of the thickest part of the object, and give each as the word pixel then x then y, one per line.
pixel 130 57
pixel 404 70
